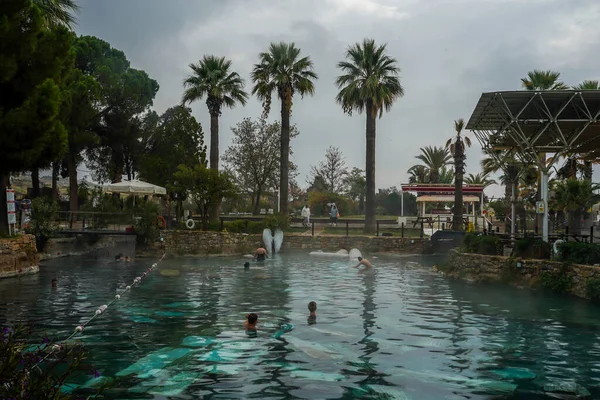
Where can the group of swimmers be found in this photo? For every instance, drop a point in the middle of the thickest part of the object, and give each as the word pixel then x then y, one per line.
pixel 252 318
pixel 121 257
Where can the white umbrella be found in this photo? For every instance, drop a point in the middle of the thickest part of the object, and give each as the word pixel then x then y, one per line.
pixel 135 187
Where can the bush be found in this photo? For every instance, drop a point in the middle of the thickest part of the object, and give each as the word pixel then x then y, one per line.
pixel 531 248
pixel 276 221
pixel 44 221
pixel 482 244
pixel 146 225
pixel 579 253
pixel 27 372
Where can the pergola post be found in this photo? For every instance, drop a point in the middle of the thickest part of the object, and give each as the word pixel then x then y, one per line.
pixel 545 203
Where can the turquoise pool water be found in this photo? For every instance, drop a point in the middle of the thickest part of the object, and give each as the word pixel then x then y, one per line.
pixel 400 333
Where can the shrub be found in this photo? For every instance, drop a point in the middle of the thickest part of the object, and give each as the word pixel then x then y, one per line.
pixel 146 225
pixel 44 221
pixel 27 372
pixel 560 281
pixel 531 248
pixel 482 244
pixel 276 221
pixel 579 253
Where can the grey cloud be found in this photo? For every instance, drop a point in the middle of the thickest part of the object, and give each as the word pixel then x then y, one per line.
pixel 449 52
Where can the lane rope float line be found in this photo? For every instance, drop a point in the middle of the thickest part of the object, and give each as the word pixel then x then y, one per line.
pixel 99 311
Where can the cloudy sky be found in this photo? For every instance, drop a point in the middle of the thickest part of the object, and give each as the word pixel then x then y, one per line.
pixel 450 51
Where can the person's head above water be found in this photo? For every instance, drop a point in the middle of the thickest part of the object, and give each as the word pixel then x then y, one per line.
pixel 312 307
pixel 246 265
pixel 251 320
pixel 118 256
pixel 359 258
pixel 54 282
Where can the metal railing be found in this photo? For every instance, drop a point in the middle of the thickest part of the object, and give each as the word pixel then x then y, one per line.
pixel 95 221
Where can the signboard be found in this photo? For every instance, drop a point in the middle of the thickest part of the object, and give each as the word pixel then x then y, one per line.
pixel 10 205
pixel 539 207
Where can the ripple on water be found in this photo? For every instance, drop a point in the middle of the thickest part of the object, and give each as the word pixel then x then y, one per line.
pixel 400 333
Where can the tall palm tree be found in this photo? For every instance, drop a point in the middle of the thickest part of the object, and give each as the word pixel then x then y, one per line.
pixel 434 159
pixel 213 79
pixel 457 145
pixel 543 80
pixel 588 85
pixel 369 83
pixel 479 178
pixel 283 71
pixel 58 12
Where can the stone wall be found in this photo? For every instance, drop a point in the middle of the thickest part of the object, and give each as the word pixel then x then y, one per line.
pixel 18 256
pixel 82 244
pixel 183 242
pixel 522 273
pixel 212 243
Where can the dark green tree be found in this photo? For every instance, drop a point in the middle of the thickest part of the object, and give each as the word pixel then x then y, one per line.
pixel 57 13
pixel 283 71
pixel 369 83
pixel 33 62
pixel 178 139
pixel 205 186
pixel 124 118
pixel 355 185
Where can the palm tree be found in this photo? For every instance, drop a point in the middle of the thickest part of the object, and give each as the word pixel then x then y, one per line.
pixel 504 161
pixel 543 80
pixel 446 175
pixel 479 178
pixel 283 71
pixel 434 159
pixel 418 174
pixel 58 12
pixel 573 196
pixel 588 85
pixel 457 145
pixel 369 83
pixel 213 79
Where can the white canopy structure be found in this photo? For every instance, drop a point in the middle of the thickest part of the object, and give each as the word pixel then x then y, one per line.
pixel 135 187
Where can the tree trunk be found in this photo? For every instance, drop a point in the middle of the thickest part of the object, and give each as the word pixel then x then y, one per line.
pixel 284 159
pixel 575 222
pixel 35 183
pixel 214 161
pixel 55 167
pixel 457 220
pixel 370 216
pixel 73 185
pixel 588 171
pixel 508 205
pixel 256 200
pixel 4 176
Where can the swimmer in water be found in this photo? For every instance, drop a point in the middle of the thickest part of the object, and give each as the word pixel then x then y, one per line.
pixel 246 265
pixel 250 322
pixel 127 259
pixel 54 282
pixel 260 254
pixel 312 317
pixel 365 262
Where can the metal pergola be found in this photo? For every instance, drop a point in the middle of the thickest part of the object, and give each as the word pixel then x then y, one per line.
pixel 536 123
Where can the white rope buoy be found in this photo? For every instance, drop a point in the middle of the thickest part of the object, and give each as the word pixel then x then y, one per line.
pixel 100 310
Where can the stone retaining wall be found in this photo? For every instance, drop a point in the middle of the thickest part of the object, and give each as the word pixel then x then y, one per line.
pixel 18 256
pixel 222 243
pixel 519 272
